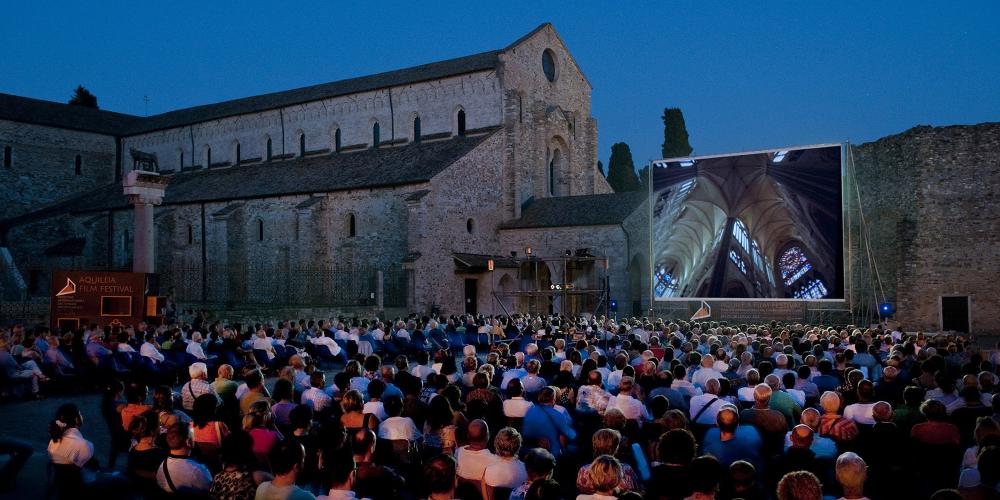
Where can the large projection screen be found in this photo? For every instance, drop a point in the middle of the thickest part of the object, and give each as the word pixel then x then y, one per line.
pixel 765 225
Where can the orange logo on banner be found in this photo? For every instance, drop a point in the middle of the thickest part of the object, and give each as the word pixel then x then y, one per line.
pixel 69 289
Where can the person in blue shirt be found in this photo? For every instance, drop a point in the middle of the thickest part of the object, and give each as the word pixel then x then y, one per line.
pixel 731 441
pixel 544 422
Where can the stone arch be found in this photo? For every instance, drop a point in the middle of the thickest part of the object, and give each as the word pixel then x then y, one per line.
pixel 206 154
pixel 459 121
pixel 416 127
pixel 237 151
pixel 351 225
pixel 335 137
pixel 557 167
pixel 376 132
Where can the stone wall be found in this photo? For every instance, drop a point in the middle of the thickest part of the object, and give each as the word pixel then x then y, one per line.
pixel 542 116
pixel 929 197
pixel 43 169
pixel 436 102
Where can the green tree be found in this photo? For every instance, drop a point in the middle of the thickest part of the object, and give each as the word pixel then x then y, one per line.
pixel 621 169
pixel 675 135
pixel 644 178
pixel 83 97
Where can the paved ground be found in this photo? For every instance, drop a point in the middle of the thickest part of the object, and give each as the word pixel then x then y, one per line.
pixel 28 420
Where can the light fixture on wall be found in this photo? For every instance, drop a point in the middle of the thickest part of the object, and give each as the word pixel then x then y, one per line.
pixel 527 250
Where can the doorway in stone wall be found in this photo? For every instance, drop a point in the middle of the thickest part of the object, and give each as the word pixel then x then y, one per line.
pixel 956 314
pixel 471 294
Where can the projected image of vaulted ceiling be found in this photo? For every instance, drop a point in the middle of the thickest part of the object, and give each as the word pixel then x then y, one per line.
pixel 757 225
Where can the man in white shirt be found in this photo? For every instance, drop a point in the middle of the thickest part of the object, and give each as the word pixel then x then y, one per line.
pixel 515 406
pixel 322 338
pixel 197 386
pixel 315 396
pixel 194 347
pixel 862 411
pixel 150 350
pixel 632 408
pixel 475 457
pixel 705 407
pixel 706 372
pixel 178 473
pixel 396 427
pixel 422 368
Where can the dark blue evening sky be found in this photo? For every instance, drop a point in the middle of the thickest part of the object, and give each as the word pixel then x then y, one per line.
pixel 748 76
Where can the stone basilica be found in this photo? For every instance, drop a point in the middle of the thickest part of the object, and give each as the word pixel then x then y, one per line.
pixel 432 186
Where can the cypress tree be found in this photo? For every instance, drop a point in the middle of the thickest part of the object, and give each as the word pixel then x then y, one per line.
pixel 621 169
pixel 675 135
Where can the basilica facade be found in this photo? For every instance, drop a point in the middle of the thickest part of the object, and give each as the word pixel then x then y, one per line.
pixel 422 188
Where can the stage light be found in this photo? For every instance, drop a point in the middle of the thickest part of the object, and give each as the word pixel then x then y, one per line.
pixel 886 309
pixel 613 304
pixel 489 264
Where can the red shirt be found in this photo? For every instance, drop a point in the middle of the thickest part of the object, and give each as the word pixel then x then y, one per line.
pixel 939 433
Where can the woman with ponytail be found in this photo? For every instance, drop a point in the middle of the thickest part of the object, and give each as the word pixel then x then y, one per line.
pixel 68 451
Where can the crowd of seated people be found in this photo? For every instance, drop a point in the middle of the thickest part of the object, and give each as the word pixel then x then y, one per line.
pixel 526 407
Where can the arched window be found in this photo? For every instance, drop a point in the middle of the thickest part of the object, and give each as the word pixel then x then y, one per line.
pixel 237 155
pixel 190 234
pixel 740 233
pixel 793 264
pixel 260 229
pixel 461 122
pixel 336 141
pixel 302 144
pixel 554 164
pixel 8 157
pixel 208 156
pixel 376 135
pixel 180 159
pixel 351 226
pixel 470 226
pixel 78 165
pixel 416 129
pixel 268 148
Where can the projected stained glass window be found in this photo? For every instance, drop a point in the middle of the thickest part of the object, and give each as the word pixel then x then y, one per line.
pixel 735 257
pixel 665 283
pixel 813 289
pixel 740 233
pixel 793 264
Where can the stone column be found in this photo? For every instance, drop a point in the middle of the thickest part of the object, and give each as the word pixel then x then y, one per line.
pixel 144 190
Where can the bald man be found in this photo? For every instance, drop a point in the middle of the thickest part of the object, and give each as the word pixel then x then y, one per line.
pixel 730 441
pixel 475 457
pixel 824 447
pixel 799 456
pixel 770 423
pixel 705 407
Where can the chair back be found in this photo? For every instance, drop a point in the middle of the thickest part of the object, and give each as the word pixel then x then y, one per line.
pixel 496 493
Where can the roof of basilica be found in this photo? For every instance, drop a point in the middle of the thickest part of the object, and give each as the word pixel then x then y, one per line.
pixel 41 112
pixel 384 167
pixel 586 210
